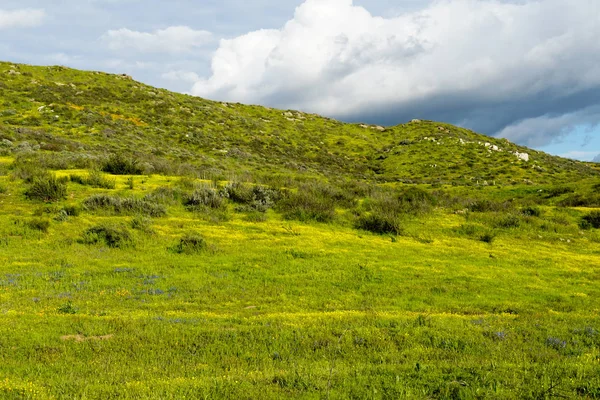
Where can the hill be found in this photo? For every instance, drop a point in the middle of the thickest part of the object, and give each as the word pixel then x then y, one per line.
pixel 73 118
pixel 156 245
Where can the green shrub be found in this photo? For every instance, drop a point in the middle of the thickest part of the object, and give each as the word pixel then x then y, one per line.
pixel 531 211
pixel 39 224
pixel 112 236
pixel 124 205
pixel 118 164
pixel 95 179
pixel 141 223
pixel 487 237
pixel 204 197
pixel 3 189
pixel 591 220
pixel 67 308
pixel 190 244
pixel 47 188
pixel 165 195
pixel 379 222
pixel 307 206
pixel 253 198
pixel 507 222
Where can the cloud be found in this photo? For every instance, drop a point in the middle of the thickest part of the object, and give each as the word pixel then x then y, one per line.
pixel 597 159
pixel 173 40
pixel 23 18
pixel 178 75
pixel 525 69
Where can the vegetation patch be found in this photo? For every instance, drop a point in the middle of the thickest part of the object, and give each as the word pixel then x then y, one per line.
pixel 110 235
pixel 47 188
pixel 124 205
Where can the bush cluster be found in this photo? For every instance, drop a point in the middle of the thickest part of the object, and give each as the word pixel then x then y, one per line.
pixel 95 179
pixel 111 236
pixel 118 164
pixel 47 188
pixel 124 205
pixel 190 244
pixel 204 197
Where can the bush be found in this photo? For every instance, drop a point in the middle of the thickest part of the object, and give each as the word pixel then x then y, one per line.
pixel 306 206
pixel 190 244
pixel 379 223
pixel 112 236
pixel 47 188
pixel 124 205
pixel 508 222
pixel 487 237
pixel 591 220
pixel 141 223
pixel 254 198
pixel 487 206
pixel 204 197
pixel 165 195
pixel 95 179
pixel 38 224
pixel 532 211
pixel 118 164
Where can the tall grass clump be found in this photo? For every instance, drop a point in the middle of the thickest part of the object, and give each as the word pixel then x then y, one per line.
pixel 591 220
pixel 307 205
pixel 118 164
pixel 379 222
pixel 109 235
pixel 204 197
pixel 124 205
pixel 95 179
pixel 190 243
pixel 47 188
pixel 251 197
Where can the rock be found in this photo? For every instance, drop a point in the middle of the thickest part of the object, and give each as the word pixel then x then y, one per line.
pixel 13 72
pixel 416 121
pixel 522 156
pixel 40 109
pixel 288 114
pixel 379 128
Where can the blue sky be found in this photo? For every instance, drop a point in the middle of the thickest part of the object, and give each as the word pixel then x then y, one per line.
pixel 526 70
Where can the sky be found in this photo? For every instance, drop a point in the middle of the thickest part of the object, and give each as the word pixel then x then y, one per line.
pixel 525 70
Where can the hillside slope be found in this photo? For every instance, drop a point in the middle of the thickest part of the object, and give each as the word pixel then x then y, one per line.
pixel 72 118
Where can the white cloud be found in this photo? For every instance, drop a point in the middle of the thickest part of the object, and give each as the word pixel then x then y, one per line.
pixel 337 59
pixel 23 18
pixel 174 40
pixel 597 159
pixel 178 75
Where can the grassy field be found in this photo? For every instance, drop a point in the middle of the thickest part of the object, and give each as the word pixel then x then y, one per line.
pixel 158 245
pixel 223 302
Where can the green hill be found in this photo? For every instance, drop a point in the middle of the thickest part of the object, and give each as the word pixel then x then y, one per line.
pixel 72 118
pixel 159 246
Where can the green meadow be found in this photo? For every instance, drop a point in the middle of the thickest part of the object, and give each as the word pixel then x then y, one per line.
pixel 137 263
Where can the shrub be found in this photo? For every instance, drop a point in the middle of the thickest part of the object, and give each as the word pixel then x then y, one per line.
pixel 487 206
pixel 508 222
pixel 305 206
pixel 379 223
pixel 38 224
pixel 124 205
pixel 67 308
pixel 112 236
pixel 531 211
pixel 165 195
pixel 118 164
pixel 190 244
pixel 204 197
pixel 416 201
pixel 47 188
pixel 487 237
pixel 95 179
pixel 255 198
pixel 591 220
pixel 142 223
pixel 3 189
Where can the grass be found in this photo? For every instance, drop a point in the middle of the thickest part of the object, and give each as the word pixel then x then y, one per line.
pixel 92 308
pixel 235 251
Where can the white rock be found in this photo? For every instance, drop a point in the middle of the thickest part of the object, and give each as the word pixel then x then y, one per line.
pixel 522 156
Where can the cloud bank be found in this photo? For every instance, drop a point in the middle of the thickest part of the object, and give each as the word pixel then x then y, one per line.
pixel 526 70
pixel 23 18
pixel 173 40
